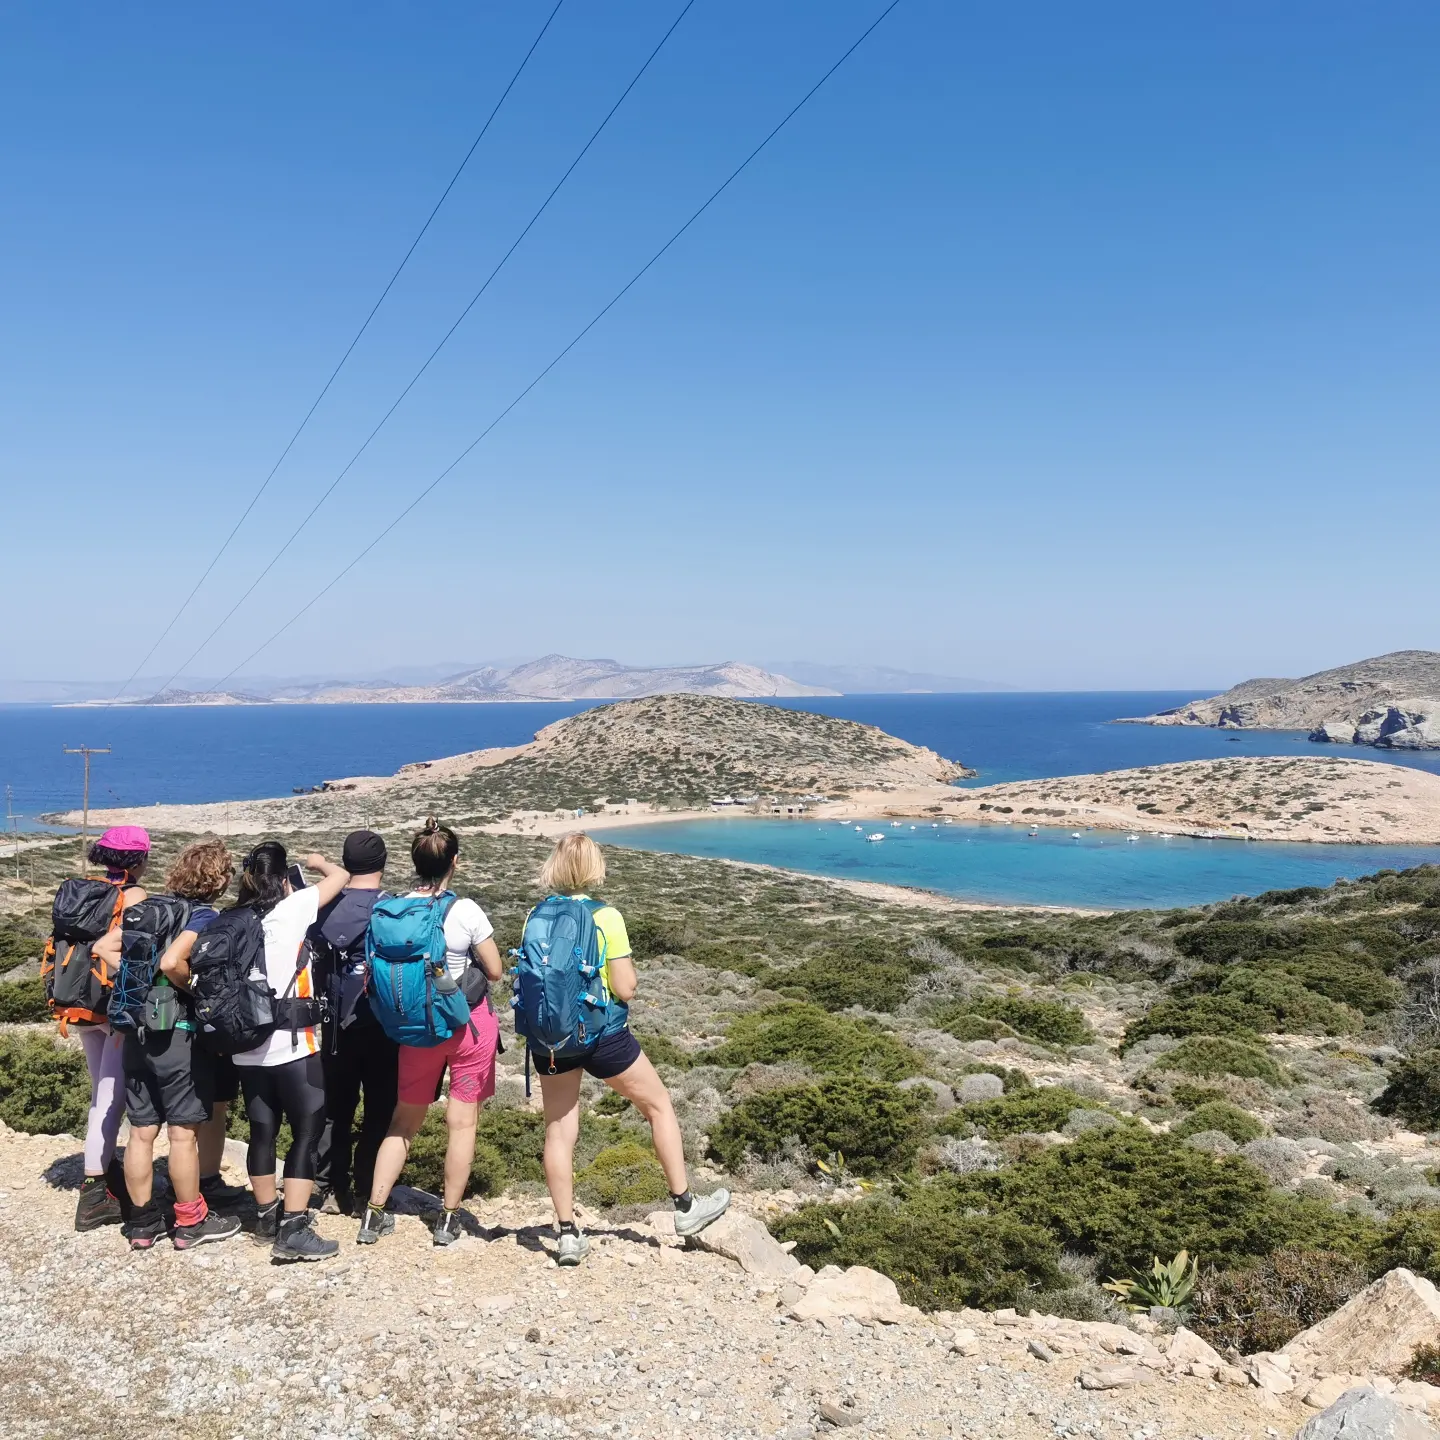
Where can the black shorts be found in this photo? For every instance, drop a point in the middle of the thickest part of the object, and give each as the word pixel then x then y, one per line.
pixel 613 1055
pixel 226 1079
pixel 169 1080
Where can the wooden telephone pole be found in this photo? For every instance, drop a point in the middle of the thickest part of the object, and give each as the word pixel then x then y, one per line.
pixel 13 821
pixel 87 751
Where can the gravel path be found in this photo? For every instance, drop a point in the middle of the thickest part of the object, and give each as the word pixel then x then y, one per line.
pixel 489 1339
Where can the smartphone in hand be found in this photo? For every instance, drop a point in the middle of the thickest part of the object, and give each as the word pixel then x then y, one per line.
pixel 296 875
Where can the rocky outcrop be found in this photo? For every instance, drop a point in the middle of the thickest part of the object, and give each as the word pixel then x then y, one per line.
pixel 1374 1332
pixel 1383 701
pixel 1365 1414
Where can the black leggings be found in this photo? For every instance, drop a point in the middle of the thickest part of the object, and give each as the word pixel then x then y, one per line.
pixel 294 1091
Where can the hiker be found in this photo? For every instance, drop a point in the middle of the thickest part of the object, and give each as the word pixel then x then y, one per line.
pixel 282 1077
pixel 357 1055
pixel 80 962
pixel 169 1078
pixel 443 1018
pixel 599 1042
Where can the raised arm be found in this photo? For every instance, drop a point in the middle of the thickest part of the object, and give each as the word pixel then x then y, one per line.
pixel 332 878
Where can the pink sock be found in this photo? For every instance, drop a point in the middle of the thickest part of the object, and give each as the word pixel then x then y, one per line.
pixel 191 1212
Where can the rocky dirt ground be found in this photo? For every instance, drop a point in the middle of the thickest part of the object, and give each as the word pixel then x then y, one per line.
pixel 490 1339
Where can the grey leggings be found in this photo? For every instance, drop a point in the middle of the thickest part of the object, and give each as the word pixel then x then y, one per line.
pixel 103 1055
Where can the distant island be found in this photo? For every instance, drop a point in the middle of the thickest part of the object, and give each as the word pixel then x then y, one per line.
pixel 551 678
pixel 1389 701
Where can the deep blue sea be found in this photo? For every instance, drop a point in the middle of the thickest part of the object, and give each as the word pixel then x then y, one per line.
pixel 233 752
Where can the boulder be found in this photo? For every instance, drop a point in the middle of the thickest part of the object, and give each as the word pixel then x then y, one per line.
pixel 1326 1391
pixel 1187 1348
pixel 1334 732
pixel 743 1239
pixel 973 1088
pixel 858 1293
pixel 1111 1377
pixel 944 1096
pixel 1374 1332
pixel 1365 1414
pixel 1272 1373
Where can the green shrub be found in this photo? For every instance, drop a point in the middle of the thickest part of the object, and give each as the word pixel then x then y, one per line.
pixel 23 1002
pixel 1413 1094
pixel 1342 978
pixel 1240 1125
pixel 876 1126
pixel 44 1087
pixel 1193 1015
pixel 725 955
pixel 1032 1111
pixel 1191 1097
pixel 1226 942
pixel 1264 1304
pixel 1245 1003
pixel 1010 1077
pixel 940 1257
pixel 830 1044
pixel 1216 1055
pixel 828 981
pixel 1424 1364
pixel 1051 1022
pixel 662 1050
pixel 1411 1239
pixel 19 942
pixel 623 1174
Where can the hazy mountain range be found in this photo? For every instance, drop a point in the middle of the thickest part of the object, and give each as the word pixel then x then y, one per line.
pixel 552 677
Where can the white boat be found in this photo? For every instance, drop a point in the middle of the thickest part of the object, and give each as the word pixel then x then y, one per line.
pixel 1132 839
pixel 860 827
pixel 894 824
pixel 1033 830
pixel 878 835
pixel 1074 834
pixel 949 822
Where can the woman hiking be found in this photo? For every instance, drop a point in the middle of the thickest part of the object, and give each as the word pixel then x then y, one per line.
pixel 575 869
pixel 283 1078
pixel 124 851
pixel 469 1052
pixel 169 1078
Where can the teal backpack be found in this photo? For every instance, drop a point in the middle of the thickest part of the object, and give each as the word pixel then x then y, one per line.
pixel 411 993
pixel 560 1001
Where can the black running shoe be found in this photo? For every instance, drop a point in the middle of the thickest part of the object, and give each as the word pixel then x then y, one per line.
pixel 145 1227
pixel 298 1241
pixel 220 1196
pixel 267 1223
pixel 212 1227
pixel 96 1205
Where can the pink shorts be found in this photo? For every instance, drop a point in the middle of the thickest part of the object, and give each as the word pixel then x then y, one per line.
pixel 471 1061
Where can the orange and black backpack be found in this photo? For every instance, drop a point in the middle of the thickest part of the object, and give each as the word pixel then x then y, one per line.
pixel 77 984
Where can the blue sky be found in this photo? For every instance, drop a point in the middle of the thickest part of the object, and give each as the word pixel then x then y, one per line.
pixel 1069 347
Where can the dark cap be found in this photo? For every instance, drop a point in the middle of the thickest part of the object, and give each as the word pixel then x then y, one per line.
pixel 364 853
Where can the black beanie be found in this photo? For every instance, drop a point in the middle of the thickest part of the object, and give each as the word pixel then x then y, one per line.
pixel 364 853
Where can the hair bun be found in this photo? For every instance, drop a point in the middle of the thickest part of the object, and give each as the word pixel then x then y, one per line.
pixel 431 825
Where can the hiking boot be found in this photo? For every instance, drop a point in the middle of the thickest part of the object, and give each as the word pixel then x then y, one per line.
pixel 220 1196
pixel 297 1241
pixel 212 1227
pixel 704 1210
pixel 573 1248
pixel 96 1205
pixel 267 1223
pixel 448 1231
pixel 145 1227
pixel 337 1202
pixel 375 1224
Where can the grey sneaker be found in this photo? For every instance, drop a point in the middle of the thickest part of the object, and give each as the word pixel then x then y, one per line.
pixel 297 1241
pixel 704 1210
pixel 448 1231
pixel 213 1227
pixel 375 1224
pixel 573 1248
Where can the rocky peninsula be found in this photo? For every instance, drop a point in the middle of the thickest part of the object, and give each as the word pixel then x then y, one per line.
pixel 1388 701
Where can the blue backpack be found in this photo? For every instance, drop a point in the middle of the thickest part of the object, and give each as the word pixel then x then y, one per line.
pixel 410 991
pixel 560 1001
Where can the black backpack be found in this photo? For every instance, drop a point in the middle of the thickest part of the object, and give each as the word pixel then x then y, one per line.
pixel 233 1004
pixel 147 930
pixel 76 985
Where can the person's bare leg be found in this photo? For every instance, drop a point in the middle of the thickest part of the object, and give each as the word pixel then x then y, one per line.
pixel 645 1090
pixel 263 1189
pixel 390 1161
pixel 211 1137
pixel 561 1094
pixel 460 1121
pixel 140 1164
pixel 184 1163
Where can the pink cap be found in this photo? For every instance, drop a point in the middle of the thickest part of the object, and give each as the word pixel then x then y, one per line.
pixel 126 837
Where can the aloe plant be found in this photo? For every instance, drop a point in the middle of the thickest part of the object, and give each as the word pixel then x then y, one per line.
pixel 1167 1284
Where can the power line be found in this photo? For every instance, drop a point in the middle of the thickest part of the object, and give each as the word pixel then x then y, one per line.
pixel 325 389
pixel 579 336
pixel 444 340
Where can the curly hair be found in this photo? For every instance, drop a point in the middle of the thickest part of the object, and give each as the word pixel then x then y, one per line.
pixel 202 871
pixel 132 862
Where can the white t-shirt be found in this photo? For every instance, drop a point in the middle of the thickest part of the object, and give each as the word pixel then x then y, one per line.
pixel 285 928
pixel 466 925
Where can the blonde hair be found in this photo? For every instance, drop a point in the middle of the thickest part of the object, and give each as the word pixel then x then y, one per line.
pixel 575 866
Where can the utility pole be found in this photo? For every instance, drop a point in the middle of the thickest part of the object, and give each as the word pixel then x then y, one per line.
pixel 87 751
pixel 13 820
